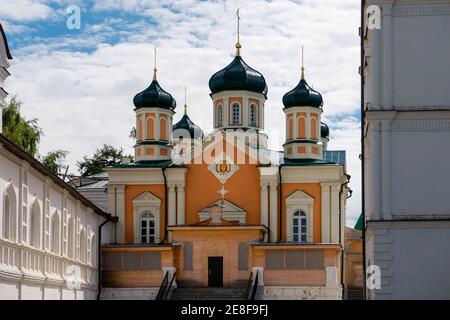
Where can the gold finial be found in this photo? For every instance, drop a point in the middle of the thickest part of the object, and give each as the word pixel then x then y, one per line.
pixel 238 44
pixel 185 101
pixel 154 66
pixel 303 66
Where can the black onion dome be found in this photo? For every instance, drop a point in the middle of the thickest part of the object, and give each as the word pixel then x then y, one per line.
pixel 186 124
pixel 154 97
pixel 238 76
pixel 324 131
pixel 302 96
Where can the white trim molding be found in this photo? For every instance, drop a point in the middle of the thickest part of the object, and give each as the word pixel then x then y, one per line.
pixel 146 201
pixel 299 201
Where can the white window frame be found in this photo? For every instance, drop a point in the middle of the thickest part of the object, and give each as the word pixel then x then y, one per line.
pixel 219 115
pixel 299 201
pixel 35 225
pixel 55 246
pixel 254 121
pixel 234 104
pixel 148 220
pixel 301 236
pixel 11 224
pixel 146 201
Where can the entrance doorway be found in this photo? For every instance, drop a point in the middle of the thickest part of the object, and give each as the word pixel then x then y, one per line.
pixel 215 271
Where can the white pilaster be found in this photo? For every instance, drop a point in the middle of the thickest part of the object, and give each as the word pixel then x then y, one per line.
pixel 264 212
pixel 387 37
pixel 180 204
pixel 172 214
pixel 326 209
pixel 245 116
pixel 386 169
pixel 273 212
pixel 334 217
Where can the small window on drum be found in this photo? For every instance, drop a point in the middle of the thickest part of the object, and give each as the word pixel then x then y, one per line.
pixel 252 115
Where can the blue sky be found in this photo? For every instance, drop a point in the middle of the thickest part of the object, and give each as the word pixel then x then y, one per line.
pixel 80 83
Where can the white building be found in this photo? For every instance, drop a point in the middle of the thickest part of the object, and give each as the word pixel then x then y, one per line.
pixel 48 232
pixel 407 147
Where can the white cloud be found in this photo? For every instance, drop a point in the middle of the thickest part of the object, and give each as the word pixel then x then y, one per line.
pixel 24 10
pixel 85 99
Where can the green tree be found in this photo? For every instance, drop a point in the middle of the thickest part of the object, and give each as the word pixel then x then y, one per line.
pixel 26 134
pixel 103 157
pixel 54 160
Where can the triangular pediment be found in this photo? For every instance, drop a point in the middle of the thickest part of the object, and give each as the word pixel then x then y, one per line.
pixel 227 206
pixel 299 196
pixel 146 197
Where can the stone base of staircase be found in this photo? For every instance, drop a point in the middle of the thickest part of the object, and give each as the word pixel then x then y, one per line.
pixel 148 293
pixel 209 294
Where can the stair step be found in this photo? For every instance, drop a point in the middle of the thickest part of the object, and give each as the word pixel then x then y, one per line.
pixel 209 294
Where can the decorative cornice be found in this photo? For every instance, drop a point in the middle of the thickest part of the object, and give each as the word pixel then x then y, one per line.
pixel 421 125
pixel 420 11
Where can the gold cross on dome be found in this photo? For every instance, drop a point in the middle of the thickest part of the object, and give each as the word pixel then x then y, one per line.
pixel 238 44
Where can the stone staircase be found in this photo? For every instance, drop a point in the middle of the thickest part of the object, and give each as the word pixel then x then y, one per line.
pixel 355 294
pixel 209 294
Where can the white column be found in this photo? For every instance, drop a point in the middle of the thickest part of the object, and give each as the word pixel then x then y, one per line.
pixel 172 218
pixel 387 37
pixel 385 211
pixel 273 212
pixel 326 208
pixel 245 119
pixel 294 125
pixel 180 204
pixel 226 113
pixel 264 218
pixel 308 125
pixel 157 136
pixel 334 216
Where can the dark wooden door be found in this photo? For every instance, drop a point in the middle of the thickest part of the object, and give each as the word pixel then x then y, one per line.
pixel 215 271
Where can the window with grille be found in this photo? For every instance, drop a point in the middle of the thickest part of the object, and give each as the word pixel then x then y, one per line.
pixel 236 114
pixel 147 224
pixel 299 232
pixel 219 115
pixel 253 115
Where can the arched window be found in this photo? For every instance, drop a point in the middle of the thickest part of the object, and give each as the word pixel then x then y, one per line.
pixel 162 129
pixel 71 239
pixel 9 214
pixel 236 114
pixel 139 128
pixel 301 128
pixel 150 128
pixel 55 233
pixel 219 115
pixel 313 128
pixel 253 115
pixel 290 128
pixel 7 217
pixel 35 226
pixel 83 245
pixel 147 225
pixel 91 250
pixel 299 232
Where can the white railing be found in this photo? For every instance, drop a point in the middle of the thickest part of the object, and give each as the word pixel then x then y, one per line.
pixel 22 258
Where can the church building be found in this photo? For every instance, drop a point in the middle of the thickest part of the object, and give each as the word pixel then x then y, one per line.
pixel 222 210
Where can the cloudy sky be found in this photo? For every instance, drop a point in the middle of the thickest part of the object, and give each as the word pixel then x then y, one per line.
pixel 80 83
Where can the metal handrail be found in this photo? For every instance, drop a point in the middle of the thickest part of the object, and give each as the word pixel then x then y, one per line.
pixel 169 286
pixel 249 285
pixel 255 286
pixel 162 287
